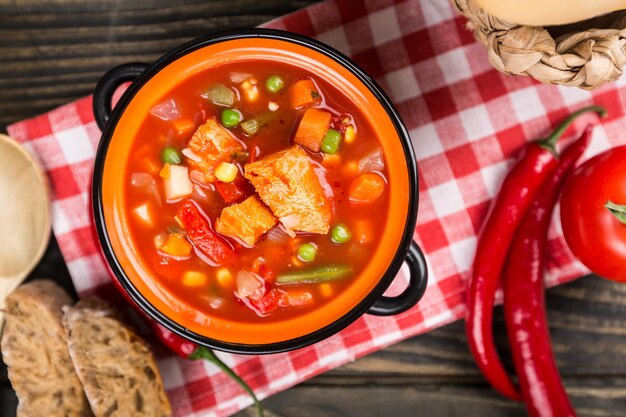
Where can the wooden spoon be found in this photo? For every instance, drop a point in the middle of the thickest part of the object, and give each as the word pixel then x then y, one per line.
pixel 24 216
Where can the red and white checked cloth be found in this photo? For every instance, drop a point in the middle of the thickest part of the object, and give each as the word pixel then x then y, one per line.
pixel 466 121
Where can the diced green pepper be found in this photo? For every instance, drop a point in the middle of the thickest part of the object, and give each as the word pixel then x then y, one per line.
pixel 171 155
pixel 307 252
pixel 340 234
pixel 332 140
pixel 274 84
pixel 221 95
pixel 230 118
pixel 315 276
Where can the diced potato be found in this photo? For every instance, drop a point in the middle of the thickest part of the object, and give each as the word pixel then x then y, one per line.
pixel 224 277
pixel 288 184
pixel 194 279
pixel 176 245
pixel 144 213
pixel 246 221
pixel 176 182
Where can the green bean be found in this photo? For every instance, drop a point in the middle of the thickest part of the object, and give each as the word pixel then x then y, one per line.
pixel 315 276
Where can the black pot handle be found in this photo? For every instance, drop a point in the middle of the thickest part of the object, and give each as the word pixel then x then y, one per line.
pixel 107 85
pixel 418 278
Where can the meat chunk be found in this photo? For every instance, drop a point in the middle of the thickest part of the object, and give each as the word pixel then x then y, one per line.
pixel 287 183
pixel 247 221
pixel 213 144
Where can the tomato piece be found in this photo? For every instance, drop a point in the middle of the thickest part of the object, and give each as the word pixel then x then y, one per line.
pixel 270 301
pixel 199 231
pixel 592 232
pixel 233 192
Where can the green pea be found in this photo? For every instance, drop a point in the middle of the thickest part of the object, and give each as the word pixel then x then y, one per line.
pixel 331 141
pixel 230 117
pixel 171 155
pixel 307 252
pixel 274 84
pixel 340 234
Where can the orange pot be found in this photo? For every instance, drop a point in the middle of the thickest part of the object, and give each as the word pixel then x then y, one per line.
pixel 149 82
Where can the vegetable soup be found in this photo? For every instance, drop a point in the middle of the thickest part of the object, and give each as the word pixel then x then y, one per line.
pixel 256 191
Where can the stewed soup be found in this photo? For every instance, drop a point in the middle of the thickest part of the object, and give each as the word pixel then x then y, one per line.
pixel 256 191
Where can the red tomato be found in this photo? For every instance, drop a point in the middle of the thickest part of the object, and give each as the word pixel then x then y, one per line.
pixel 592 232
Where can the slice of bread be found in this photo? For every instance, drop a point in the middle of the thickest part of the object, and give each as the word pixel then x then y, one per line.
pixel 116 367
pixel 35 350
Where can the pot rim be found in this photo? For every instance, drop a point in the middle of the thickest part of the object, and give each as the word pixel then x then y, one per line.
pixel 275 347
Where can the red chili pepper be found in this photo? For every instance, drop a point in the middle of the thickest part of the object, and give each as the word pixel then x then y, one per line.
pixel 188 350
pixel 235 191
pixel 515 197
pixel 202 236
pixel 524 300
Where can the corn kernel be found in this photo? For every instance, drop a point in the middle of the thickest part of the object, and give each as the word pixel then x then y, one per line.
pixel 194 279
pixel 326 290
pixel 226 172
pixel 348 137
pixel 351 168
pixel 250 89
pixel 224 277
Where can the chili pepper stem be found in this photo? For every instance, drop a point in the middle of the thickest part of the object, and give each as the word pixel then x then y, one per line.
pixel 207 354
pixel 549 143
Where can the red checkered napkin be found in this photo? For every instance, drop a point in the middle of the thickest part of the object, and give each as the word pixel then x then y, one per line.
pixel 466 121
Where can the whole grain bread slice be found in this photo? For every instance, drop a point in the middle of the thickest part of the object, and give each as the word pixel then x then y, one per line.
pixel 116 367
pixel 35 350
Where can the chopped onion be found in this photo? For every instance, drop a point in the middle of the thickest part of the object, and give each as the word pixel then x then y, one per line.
pixel 198 176
pixel 239 77
pixel 191 155
pixel 141 179
pixel 249 285
pixel 148 183
pixel 277 235
pixel 291 221
pixel 166 111
pixel 320 172
pixel 220 95
pixel 215 302
pixel 373 161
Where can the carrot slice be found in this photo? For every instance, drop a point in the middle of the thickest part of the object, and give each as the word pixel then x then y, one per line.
pixel 366 188
pixel 312 128
pixel 304 93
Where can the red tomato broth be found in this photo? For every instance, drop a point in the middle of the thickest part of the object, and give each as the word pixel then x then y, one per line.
pixel 276 135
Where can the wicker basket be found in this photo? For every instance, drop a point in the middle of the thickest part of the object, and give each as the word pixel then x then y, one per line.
pixel 586 54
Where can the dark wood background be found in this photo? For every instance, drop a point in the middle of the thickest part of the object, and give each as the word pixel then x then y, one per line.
pixel 53 51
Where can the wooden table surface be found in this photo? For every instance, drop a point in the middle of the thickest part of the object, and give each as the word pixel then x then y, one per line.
pixel 54 51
